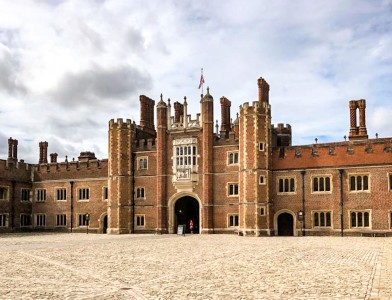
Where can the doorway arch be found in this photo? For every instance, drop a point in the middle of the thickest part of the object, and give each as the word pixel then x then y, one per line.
pixel 285 223
pixel 190 206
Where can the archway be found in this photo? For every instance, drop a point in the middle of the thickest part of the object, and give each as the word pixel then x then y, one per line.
pixel 186 209
pixel 105 224
pixel 285 224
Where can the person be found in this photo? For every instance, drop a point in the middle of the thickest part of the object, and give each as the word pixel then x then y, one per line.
pixel 191 225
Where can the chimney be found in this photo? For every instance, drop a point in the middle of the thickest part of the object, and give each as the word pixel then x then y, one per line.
pixel 147 114
pixel 225 116
pixel 263 90
pixel 12 149
pixel 53 157
pixel 357 132
pixel 178 111
pixel 43 152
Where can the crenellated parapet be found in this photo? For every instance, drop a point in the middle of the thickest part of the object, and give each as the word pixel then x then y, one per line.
pixel 231 139
pixel 350 153
pixel 120 124
pixel 255 108
pixel 19 171
pixel 68 170
pixel 145 145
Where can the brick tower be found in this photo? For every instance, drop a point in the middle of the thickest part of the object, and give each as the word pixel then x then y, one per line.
pixel 255 164
pixel 207 112
pixel 121 161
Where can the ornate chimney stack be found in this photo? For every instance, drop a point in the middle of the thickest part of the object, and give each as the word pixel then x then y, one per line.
pixel 43 152
pixel 263 90
pixel 225 116
pixel 12 149
pixel 178 111
pixel 53 157
pixel 358 132
pixel 147 114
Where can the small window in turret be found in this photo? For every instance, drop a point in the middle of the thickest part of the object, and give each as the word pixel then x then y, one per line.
pixel 262 180
pixel 143 163
pixel 261 147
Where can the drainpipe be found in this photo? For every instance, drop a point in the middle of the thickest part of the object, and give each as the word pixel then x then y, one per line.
pixel 13 205
pixel 133 192
pixel 303 201
pixel 72 185
pixel 341 173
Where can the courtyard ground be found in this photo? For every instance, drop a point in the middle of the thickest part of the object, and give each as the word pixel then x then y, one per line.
pixel 81 266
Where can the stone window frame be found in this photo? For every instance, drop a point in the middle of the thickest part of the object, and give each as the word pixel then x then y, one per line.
pixel 278 178
pixel 324 176
pixel 142 163
pixel 140 221
pixel 236 158
pixel 58 191
pixel 85 196
pixel 82 220
pixel 105 193
pixel 325 212
pixel 5 188
pixel 357 212
pixel 22 218
pixel 261 146
pixel 23 193
pixel 140 193
pixel 262 182
pixel 40 220
pixel 41 195
pixel 4 218
pixel 233 220
pixel 61 220
pixel 228 189
pixel 263 211
pixel 356 175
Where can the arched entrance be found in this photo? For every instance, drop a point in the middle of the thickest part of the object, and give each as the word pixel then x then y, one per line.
pixel 285 224
pixel 105 224
pixel 186 209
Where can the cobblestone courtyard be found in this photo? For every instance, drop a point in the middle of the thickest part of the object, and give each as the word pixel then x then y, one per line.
pixel 81 266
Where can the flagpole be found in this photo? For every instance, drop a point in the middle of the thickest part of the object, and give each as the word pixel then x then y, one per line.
pixel 202 84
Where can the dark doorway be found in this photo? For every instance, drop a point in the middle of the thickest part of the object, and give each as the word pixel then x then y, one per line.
pixel 105 224
pixel 187 209
pixel 285 224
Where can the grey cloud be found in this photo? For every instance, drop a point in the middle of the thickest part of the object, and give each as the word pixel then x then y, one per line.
pixel 9 68
pixel 135 40
pixel 98 85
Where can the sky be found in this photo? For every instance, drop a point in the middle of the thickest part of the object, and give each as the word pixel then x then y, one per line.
pixel 68 66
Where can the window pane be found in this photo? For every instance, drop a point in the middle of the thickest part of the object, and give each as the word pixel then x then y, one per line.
pixel 353 220
pixel 316 219
pixel 328 184
pixel 315 184
pixel 322 184
pixel 352 183
pixel 328 217
pixel 292 185
pixel 365 183
pixel 280 185
pixel 366 219
pixel 286 185
pixel 359 183
pixel 322 219
pixel 360 215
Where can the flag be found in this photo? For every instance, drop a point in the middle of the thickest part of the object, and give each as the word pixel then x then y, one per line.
pixel 201 81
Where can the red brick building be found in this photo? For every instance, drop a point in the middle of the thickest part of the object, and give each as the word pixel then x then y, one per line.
pixel 242 176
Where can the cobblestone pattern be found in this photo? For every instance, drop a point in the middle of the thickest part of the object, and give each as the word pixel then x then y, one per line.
pixel 80 266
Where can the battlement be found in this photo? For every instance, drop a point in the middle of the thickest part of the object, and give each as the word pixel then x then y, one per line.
pixel 281 129
pixel 255 107
pixel 15 170
pixel 223 141
pixel 351 153
pixel 74 169
pixel 145 145
pixel 120 124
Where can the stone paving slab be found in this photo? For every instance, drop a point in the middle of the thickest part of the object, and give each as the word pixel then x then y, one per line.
pixel 81 266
